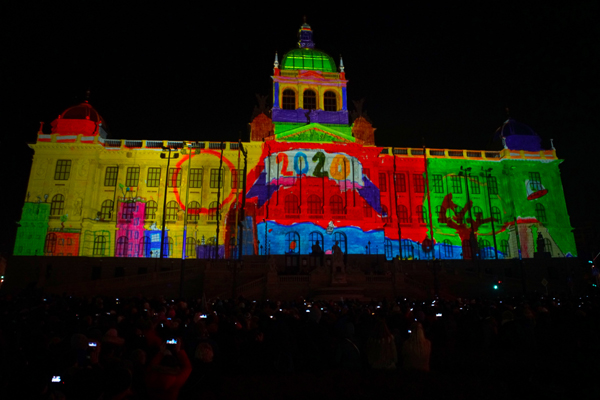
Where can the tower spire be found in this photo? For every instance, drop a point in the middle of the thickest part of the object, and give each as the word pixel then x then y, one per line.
pixel 341 64
pixel 276 63
pixel 305 34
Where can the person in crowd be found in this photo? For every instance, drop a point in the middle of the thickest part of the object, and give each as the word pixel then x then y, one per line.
pixel 381 347
pixel 416 350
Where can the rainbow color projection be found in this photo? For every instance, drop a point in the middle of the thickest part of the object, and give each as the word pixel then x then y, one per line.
pixel 309 173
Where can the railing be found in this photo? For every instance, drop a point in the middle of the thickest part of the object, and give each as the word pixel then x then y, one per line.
pixel 175 145
pixel 234 146
pixel 112 143
pixel 154 144
pixel 216 145
pixel 133 144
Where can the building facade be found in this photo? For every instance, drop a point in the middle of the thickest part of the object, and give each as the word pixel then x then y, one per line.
pixel 310 173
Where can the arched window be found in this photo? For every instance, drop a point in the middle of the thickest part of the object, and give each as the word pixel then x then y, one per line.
pixel 50 244
pixel 385 215
pixel 448 250
pixel 190 248
pixel 99 245
pixel 486 250
pixel 144 247
pixel 408 251
pixel 292 242
pixel 505 248
pixel 342 240
pixel 168 246
pixel 540 212
pixel 402 214
pixel 213 209
pixel 420 214
pixel 315 237
pixel 314 204
pixel 193 212
pixel 496 214
pixel 106 210
pixel 58 205
pixel 172 208
pixel 150 211
pixel 389 253
pixel 291 204
pixel 288 100
pixel 122 244
pixel 337 204
pixel 466 248
pixel 330 101
pixel 310 100
pixel 477 211
pixel 442 218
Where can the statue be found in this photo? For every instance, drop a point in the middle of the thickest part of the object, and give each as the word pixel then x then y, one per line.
pixel 540 243
pixel 338 271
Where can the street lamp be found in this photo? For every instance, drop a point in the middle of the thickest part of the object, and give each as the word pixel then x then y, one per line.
pixel 487 179
pixel 164 218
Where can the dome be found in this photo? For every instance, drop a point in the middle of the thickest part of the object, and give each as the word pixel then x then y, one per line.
pixel 308 59
pixel 518 136
pixel 82 111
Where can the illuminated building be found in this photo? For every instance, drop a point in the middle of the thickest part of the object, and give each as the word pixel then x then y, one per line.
pixel 311 174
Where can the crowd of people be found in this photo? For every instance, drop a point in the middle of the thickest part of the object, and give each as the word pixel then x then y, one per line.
pixel 54 347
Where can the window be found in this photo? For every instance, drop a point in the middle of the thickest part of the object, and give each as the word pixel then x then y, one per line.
pixel 496 214
pixel 402 214
pixel 438 184
pixel 382 182
pixel 58 205
pixel 477 211
pixel 150 211
pixel 442 218
pixel 505 248
pixel 310 100
pixel 456 184
pixel 237 178
pixel 106 210
pixel 486 250
pixel 420 214
pixel 540 212
pixel 110 176
pixel 145 247
pixel 172 209
pixel 337 205
pixel 50 244
pixel 385 215
pixel 153 177
pixel 213 209
pixel 447 247
pixel 122 243
pixel 400 180
pixel 196 177
pixel 99 245
pixel 133 176
pixel 314 204
pixel 367 209
pixel 174 177
pixel 291 204
pixel 193 211
pixel 419 183
pixel 342 240
pixel 535 181
pixel 474 184
pixel 128 210
pixel 387 246
pixel 330 101
pixel 63 170
pixel 492 185
pixel 216 178
pixel 407 250
pixel 292 242
pixel 314 238
pixel 190 248
pixel 288 101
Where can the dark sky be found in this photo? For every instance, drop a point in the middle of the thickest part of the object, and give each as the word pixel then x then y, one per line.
pixel 444 74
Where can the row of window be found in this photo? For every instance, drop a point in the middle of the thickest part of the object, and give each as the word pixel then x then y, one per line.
pixel 173 209
pixel 309 100
pixel 315 205
pixel 446 250
pixel 437 183
pixel 174 177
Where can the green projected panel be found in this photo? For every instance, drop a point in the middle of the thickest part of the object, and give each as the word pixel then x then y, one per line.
pixel 308 59
pixel 32 232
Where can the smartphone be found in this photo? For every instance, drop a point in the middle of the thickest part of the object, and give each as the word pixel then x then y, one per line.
pixel 172 341
pixel 92 344
pixel 56 379
pixel 438 314
pixel 409 331
pixel 203 316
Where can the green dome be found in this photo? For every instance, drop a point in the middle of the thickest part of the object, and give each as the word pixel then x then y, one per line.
pixel 309 59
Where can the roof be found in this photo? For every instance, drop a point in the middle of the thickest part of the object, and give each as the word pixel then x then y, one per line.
pixel 308 59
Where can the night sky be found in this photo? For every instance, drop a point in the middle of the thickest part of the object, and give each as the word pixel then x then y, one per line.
pixel 439 74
